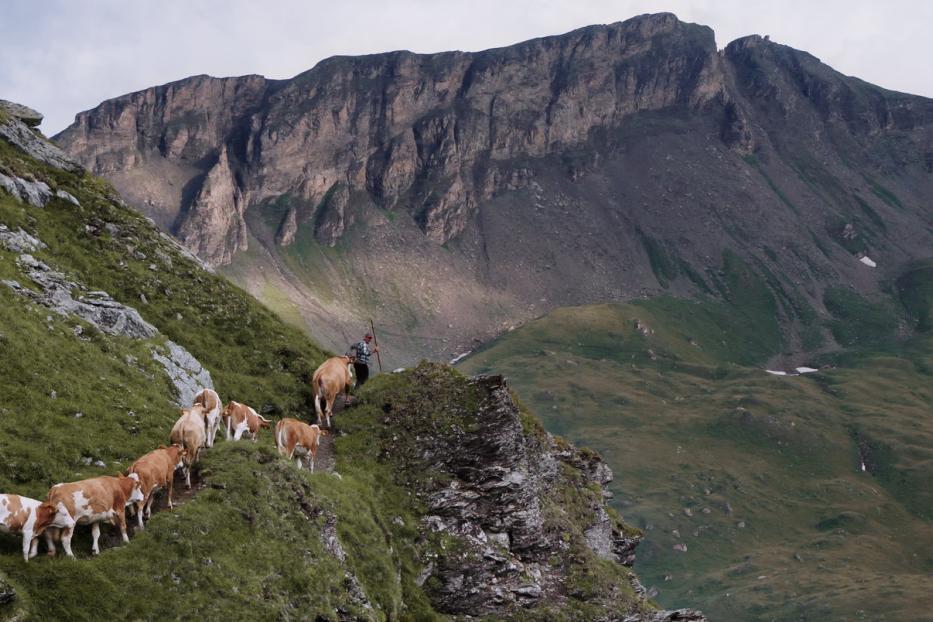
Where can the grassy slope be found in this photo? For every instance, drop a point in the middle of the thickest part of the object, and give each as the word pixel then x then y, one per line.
pixel 249 545
pixel 784 524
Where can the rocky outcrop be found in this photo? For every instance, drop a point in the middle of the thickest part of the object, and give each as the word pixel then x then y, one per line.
pixel 510 511
pixel 213 227
pixel 17 123
pixel 102 312
pixel 96 308
pixel 19 241
pixel 185 372
pixel 35 193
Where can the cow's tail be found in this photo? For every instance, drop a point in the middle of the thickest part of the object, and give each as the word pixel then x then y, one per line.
pixel 280 436
pixel 318 396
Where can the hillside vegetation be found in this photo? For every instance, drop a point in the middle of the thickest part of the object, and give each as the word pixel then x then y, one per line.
pixel 795 497
pixel 258 539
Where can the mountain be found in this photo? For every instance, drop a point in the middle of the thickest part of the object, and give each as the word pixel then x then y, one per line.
pixel 453 196
pixel 762 496
pixel 441 497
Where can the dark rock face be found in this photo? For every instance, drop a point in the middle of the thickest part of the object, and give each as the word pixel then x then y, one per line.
pixel 586 167
pixel 515 514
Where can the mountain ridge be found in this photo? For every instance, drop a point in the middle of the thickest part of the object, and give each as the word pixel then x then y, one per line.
pixel 607 163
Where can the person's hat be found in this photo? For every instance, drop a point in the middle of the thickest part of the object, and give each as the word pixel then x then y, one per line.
pixel 368 336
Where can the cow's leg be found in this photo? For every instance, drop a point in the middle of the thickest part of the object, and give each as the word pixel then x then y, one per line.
pixel 171 485
pixel 67 532
pixel 34 547
pixel 298 462
pixel 141 509
pixel 50 534
pixel 119 519
pixel 311 461
pixel 95 536
pixel 188 476
pixel 27 544
pixel 150 499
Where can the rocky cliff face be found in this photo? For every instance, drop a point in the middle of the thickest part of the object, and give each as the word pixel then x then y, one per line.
pixel 515 521
pixel 589 166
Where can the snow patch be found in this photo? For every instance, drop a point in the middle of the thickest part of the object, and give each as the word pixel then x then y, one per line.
pixel 459 357
pixel 776 373
pixel 805 370
pixel 868 262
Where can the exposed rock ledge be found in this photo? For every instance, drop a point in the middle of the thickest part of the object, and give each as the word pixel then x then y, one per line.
pixel 519 513
pixel 16 126
pixel 101 311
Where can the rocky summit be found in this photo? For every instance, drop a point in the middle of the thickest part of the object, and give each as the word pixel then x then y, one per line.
pixel 455 195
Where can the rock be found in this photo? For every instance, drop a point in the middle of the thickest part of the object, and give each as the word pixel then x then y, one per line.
pixel 679 615
pixel 96 308
pixel 25 114
pixel 35 193
pixel 7 593
pixel 214 228
pixel 334 217
pixel 19 241
pixel 17 131
pixel 487 497
pixel 289 227
pixel 680 546
pixel 184 371
pixel 65 196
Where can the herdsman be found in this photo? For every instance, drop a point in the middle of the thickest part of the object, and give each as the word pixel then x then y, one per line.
pixel 361 351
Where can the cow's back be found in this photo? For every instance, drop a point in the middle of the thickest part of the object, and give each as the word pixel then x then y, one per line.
pixel 154 467
pixel 87 497
pixel 207 398
pixel 15 511
pixel 334 373
pixel 188 431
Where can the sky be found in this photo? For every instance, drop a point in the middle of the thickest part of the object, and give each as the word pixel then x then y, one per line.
pixel 64 56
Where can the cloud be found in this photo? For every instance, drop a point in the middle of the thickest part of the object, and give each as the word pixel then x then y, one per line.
pixel 62 57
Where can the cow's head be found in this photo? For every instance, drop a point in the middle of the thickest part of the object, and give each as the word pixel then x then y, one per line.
pixel 136 493
pixel 264 423
pixel 228 409
pixel 179 452
pixel 45 514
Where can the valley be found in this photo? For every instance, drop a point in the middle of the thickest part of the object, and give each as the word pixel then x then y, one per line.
pixel 763 497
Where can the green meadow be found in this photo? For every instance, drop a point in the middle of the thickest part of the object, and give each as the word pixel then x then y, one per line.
pixel 788 497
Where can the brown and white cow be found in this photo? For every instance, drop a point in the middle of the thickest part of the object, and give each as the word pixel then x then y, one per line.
pixel 293 436
pixel 189 432
pixel 240 418
pixel 332 377
pixel 156 470
pixel 209 399
pixel 90 501
pixel 26 516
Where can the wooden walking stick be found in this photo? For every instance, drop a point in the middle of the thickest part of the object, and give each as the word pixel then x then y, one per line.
pixel 376 342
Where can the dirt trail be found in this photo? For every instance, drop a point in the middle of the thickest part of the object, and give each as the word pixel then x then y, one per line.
pixel 326 460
